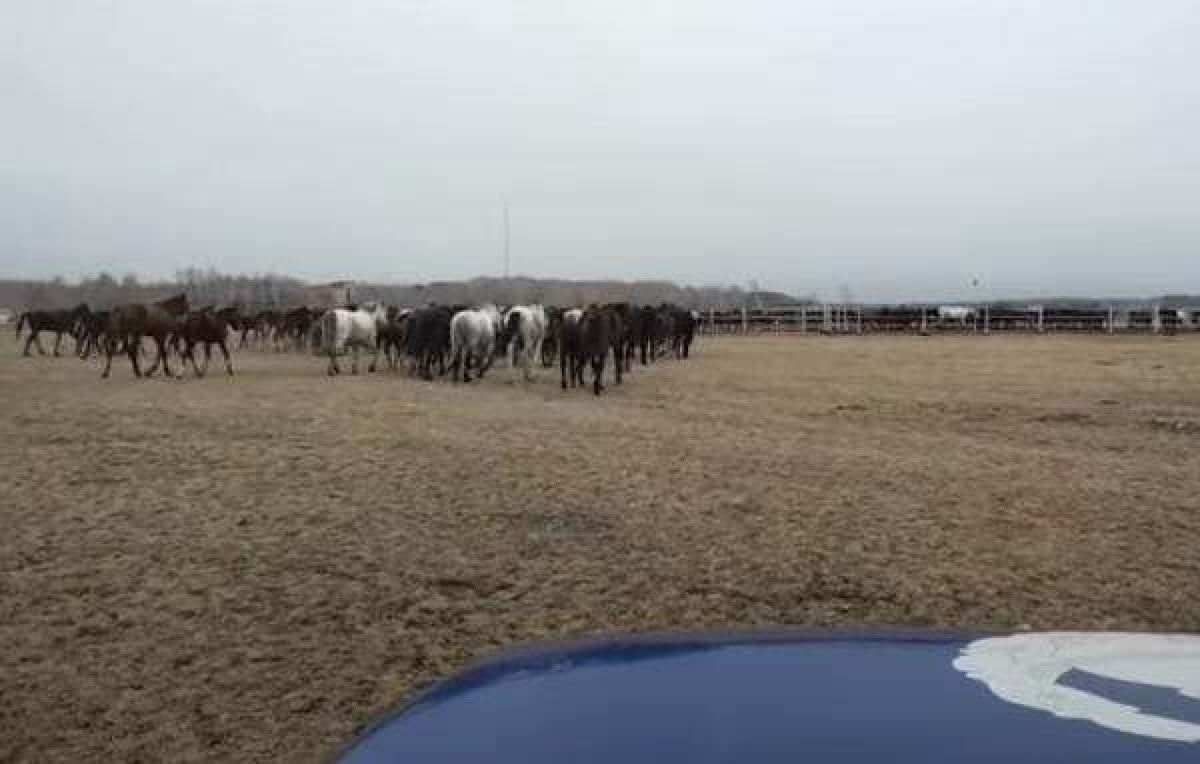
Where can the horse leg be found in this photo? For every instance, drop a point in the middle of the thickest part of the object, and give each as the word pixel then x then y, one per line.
pixel 225 353
pixel 598 370
pixel 132 350
pixel 354 360
pixel 29 341
pixel 110 346
pixel 189 354
pixel 57 344
pixel 562 369
pixel 164 352
pixel 207 358
pixel 617 362
pixel 37 340
pixel 138 347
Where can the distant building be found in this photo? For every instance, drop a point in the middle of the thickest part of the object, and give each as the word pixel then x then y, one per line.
pixel 6 315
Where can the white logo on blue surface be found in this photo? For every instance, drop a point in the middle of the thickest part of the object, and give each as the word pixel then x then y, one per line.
pixel 1063 672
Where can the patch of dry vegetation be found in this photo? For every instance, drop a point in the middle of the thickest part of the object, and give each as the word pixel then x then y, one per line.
pixel 250 569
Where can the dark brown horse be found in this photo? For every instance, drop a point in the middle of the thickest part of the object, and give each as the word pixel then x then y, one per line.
pixel 297 325
pixel 204 326
pixel 91 329
pixel 158 320
pixel 58 321
pixel 237 322
pixel 601 330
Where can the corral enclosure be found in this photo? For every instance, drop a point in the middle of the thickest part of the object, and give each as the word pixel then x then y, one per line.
pixel 252 568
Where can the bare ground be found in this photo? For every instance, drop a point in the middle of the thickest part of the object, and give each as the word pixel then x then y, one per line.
pixel 250 569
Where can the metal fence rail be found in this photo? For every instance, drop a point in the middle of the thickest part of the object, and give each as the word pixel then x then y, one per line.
pixel 859 319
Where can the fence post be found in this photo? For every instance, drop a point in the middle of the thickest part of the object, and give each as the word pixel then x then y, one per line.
pixel 745 322
pixel 803 319
pixel 1112 320
pixel 924 319
pixel 1041 319
pixel 987 319
pixel 1156 319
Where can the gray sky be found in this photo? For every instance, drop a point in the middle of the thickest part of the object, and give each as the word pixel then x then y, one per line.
pixel 897 149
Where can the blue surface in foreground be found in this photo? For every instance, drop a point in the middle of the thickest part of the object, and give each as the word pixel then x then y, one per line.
pixel 782 698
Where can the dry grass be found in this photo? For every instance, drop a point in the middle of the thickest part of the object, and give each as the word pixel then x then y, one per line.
pixel 250 569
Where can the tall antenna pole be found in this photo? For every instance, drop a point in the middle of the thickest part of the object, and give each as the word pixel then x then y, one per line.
pixel 507 240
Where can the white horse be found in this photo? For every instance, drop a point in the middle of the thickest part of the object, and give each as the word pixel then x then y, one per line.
pixel 960 313
pixel 473 333
pixel 343 330
pixel 525 328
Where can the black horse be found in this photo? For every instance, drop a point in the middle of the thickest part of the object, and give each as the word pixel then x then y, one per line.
pixel 90 333
pixel 58 321
pixel 600 330
pixel 427 339
pixel 204 326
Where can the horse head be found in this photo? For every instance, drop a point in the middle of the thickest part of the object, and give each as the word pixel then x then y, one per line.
pixel 176 305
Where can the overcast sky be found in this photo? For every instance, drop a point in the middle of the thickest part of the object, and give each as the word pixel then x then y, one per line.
pixel 891 150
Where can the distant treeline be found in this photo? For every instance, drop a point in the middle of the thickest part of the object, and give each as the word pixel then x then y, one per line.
pixel 258 292
pixel 209 287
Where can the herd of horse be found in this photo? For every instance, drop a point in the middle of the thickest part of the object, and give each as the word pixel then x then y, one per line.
pixel 458 339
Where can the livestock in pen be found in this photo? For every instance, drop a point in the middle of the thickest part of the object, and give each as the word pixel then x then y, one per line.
pixel 428 341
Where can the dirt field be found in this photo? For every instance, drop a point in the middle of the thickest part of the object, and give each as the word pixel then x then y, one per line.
pixel 250 569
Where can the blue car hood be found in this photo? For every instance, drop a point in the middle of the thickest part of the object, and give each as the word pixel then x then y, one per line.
pixel 791 697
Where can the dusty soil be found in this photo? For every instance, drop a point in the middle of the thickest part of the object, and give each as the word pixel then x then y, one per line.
pixel 251 569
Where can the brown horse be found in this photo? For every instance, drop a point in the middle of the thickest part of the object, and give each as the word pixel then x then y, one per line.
pixel 206 326
pixel 130 323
